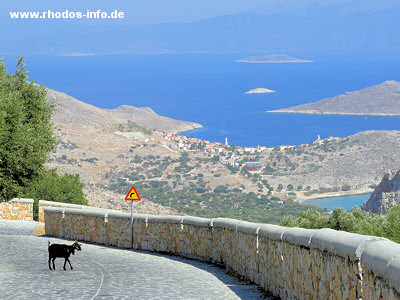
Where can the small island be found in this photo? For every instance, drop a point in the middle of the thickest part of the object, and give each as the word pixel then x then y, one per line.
pixel 260 91
pixel 273 58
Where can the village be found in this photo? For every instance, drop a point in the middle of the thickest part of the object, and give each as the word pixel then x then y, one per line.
pixel 231 155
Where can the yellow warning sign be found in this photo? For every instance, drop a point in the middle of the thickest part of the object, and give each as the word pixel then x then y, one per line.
pixel 133 195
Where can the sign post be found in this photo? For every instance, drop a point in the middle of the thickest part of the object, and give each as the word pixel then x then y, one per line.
pixel 132 196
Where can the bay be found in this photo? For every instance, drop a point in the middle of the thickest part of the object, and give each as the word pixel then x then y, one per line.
pixel 210 89
pixel 345 202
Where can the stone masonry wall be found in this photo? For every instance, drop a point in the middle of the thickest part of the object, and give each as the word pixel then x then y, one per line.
pixel 45 204
pixel 118 230
pixel 22 209
pixel 292 263
pixel 17 209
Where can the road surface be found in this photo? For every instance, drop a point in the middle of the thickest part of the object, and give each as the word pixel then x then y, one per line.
pixel 105 272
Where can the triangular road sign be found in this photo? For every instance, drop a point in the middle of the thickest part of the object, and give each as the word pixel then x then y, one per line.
pixel 133 195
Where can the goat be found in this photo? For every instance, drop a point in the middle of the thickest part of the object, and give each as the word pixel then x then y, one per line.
pixel 61 250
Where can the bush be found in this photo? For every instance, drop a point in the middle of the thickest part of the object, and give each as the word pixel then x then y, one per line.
pixel 355 220
pixel 221 189
pixel 201 190
pixel 137 159
pixel 53 187
pixel 215 158
pixel 346 188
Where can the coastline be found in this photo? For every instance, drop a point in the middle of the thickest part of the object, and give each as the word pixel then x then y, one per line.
pixel 307 112
pixel 335 194
pixel 193 130
pixel 272 61
pixel 190 127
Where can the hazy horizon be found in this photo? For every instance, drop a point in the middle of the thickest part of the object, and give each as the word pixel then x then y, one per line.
pixel 183 11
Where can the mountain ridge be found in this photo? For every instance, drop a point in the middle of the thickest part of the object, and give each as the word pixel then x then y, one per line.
pixel 71 111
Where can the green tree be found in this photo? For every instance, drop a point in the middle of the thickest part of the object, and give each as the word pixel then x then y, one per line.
pixel 215 158
pixel 26 133
pixel 52 187
pixel 221 189
pixel 137 159
pixel 269 170
pixel 346 187
pixel 201 190
pixel 184 158
pixel 245 170
pixel 393 226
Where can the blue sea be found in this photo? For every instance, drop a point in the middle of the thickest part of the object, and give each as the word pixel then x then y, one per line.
pixel 210 89
pixel 345 202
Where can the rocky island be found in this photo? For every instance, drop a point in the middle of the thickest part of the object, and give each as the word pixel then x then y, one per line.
pixel 381 100
pixel 273 58
pixel 260 91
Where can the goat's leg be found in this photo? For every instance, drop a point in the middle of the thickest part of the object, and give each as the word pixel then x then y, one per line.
pixel 65 262
pixel 69 263
pixel 50 262
pixel 54 266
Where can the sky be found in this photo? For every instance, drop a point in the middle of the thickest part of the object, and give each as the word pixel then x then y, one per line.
pixel 178 11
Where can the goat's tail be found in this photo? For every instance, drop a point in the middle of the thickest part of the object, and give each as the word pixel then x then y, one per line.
pixel 48 245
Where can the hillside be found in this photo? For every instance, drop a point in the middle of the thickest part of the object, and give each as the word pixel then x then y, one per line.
pixel 72 112
pixel 386 195
pixel 92 128
pixel 359 160
pixel 380 99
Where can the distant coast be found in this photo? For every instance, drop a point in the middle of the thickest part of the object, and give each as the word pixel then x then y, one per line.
pixel 314 112
pixel 274 58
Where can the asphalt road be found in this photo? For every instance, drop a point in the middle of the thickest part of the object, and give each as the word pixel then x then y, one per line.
pixel 105 272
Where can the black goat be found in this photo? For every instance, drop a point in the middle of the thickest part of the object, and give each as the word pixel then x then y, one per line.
pixel 60 250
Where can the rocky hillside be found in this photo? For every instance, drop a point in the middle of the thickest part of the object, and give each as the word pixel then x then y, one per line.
pixel 381 99
pixel 72 112
pixel 385 195
pixel 358 160
pixel 86 135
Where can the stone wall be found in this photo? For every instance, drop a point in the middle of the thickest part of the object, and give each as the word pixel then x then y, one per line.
pixel 22 209
pixel 288 262
pixel 44 204
pixel 17 209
